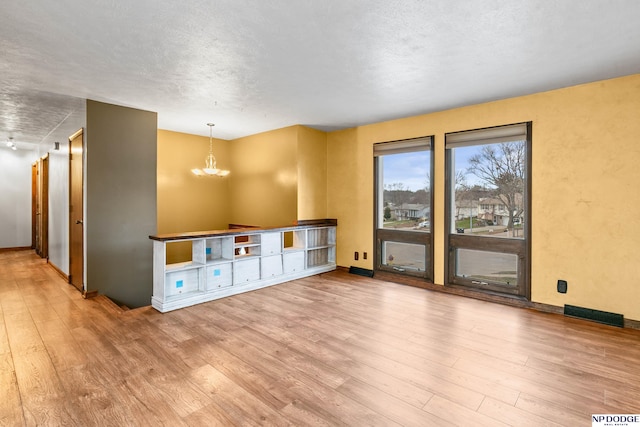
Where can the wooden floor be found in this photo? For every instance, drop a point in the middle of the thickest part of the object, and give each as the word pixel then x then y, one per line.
pixel 335 349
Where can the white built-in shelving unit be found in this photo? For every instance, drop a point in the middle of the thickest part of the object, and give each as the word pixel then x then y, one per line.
pixel 230 262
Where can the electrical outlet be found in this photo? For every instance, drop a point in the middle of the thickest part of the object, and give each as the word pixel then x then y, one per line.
pixel 364 255
pixel 355 255
pixel 562 286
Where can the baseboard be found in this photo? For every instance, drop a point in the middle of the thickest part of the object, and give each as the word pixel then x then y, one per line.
pixel 632 324
pixel 19 248
pixel 60 272
pixel 89 294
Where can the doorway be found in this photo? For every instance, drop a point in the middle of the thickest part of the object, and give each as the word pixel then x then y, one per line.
pixel 76 210
pixel 40 206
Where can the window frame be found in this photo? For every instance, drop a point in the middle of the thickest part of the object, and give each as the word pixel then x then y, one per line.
pixel 402 236
pixel 519 247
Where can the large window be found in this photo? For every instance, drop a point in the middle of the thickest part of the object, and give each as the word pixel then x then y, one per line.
pixel 403 207
pixel 488 203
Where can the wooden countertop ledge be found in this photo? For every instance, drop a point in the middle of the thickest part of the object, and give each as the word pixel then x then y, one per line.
pixel 244 229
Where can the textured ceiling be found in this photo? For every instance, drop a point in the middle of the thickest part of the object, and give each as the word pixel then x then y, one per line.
pixel 252 66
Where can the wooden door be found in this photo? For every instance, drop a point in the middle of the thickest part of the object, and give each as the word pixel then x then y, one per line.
pixel 76 210
pixel 39 210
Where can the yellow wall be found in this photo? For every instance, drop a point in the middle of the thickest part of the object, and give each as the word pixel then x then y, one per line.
pixel 276 177
pixel 187 202
pixel 263 183
pixel 312 173
pixel 350 195
pixel 585 167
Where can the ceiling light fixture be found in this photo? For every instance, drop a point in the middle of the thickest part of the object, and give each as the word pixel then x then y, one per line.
pixel 11 144
pixel 210 168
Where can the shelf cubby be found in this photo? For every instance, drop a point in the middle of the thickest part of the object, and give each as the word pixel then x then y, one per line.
pixel 294 240
pixel 321 237
pixel 219 249
pixel 246 246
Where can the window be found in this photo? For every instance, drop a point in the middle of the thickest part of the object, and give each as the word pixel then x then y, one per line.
pixel 403 207
pixel 488 203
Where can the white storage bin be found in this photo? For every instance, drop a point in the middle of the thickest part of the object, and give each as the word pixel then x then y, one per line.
pixel 246 270
pixel 182 282
pixel 271 266
pixel 293 262
pixel 219 276
pixel 271 244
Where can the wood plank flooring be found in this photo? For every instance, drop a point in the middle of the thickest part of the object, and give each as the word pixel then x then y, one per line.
pixel 329 350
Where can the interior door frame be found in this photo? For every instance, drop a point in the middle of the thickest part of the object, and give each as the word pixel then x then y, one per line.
pixel 34 205
pixel 44 206
pixel 76 210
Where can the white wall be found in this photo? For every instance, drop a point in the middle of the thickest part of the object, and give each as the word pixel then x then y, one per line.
pixel 59 185
pixel 59 207
pixel 15 189
pixel 15 196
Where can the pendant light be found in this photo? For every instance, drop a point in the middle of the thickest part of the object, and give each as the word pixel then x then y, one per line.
pixel 210 168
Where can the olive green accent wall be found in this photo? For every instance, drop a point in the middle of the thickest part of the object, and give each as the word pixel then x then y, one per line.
pixel 120 202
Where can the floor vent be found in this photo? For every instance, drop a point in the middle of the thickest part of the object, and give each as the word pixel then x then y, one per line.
pixel 605 317
pixel 361 271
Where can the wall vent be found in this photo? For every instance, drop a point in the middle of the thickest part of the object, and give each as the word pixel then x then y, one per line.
pixel 605 317
pixel 361 271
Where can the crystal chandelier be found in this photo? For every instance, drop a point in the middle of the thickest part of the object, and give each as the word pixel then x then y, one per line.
pixel 210 168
